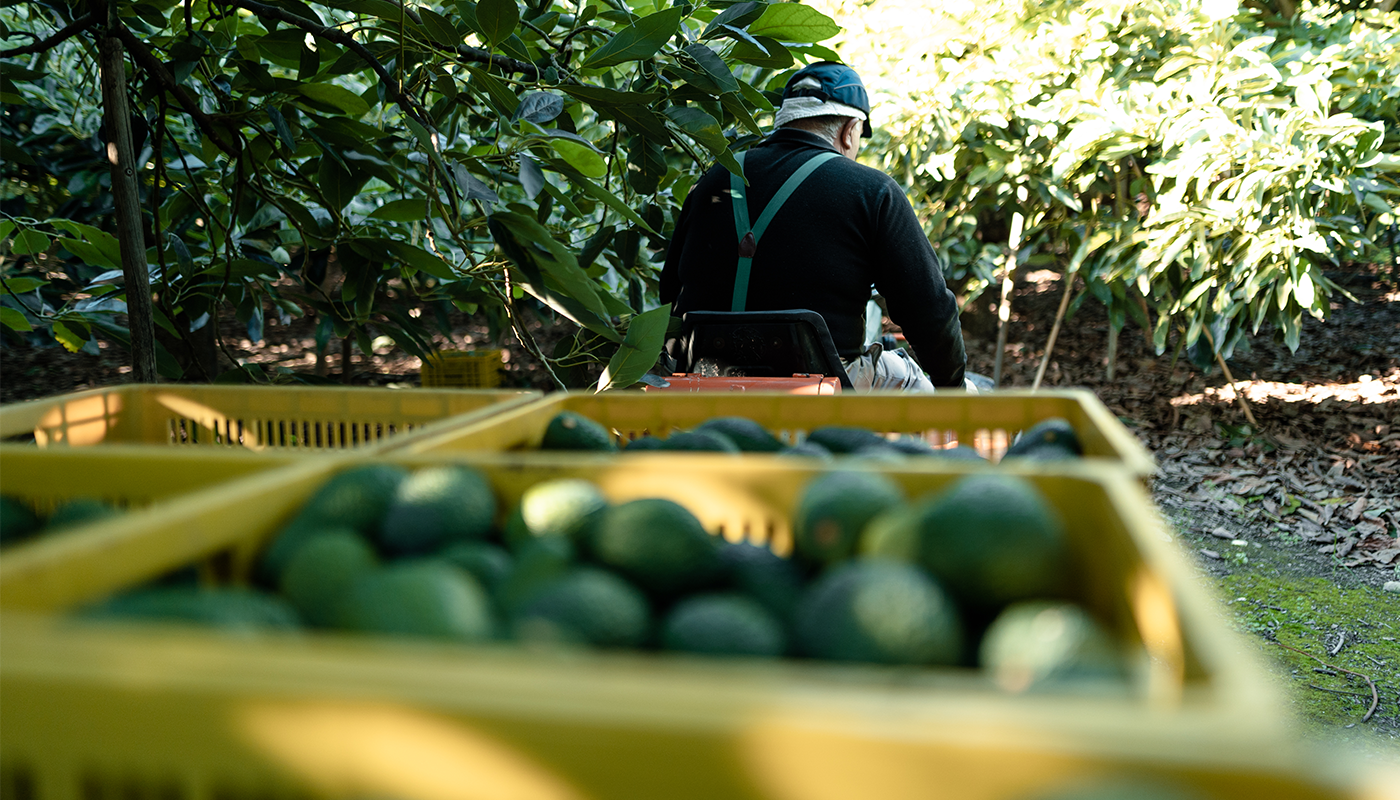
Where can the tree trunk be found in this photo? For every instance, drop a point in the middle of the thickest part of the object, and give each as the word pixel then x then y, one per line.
pixel 128 204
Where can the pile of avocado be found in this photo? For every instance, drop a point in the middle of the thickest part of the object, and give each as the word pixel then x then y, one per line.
pixel 20 522
pixel 873 577
pixel 1052 439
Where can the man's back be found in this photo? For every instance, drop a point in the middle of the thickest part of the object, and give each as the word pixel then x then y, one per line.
pixel 847 227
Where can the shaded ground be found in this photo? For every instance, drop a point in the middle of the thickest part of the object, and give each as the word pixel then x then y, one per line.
pixel 1294 522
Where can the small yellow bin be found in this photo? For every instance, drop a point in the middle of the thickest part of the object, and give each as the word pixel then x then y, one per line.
pixel 304 419
pixel 986 422
pixel 159 710
pixel 472 369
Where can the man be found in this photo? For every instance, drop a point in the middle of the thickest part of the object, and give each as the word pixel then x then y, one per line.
pixel 842 229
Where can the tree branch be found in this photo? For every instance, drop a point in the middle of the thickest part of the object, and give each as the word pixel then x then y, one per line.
pixel 67 32
pixel 153 67
pixel 479 56
pixel 346 40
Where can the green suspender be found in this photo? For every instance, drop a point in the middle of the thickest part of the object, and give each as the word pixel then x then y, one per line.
pixel 748 237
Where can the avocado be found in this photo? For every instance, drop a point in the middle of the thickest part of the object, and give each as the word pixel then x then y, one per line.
pixel 425 597
pixel 775 582
pixel 723 625
pixel 699 441
pixel 321 572
pixel 834 508
pixel 572 431
pixel 585 606
pixel 563 507
pixel 747 434
pixel 1055 431
pixel 537 563
pixel 488 563
pixel 893 533
pixel 1038 643
pixel 839 439
pixel 879 454
pixel 880 611
pixel 17 520
pixel 658 545
pixel 435 507
pixel 356 498
pixel 992 539
pixel 238 610
pixel 291 538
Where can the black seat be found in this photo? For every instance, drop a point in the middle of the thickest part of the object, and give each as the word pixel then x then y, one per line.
pixel 757 344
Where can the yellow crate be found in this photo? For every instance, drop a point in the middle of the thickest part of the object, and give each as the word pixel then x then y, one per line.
pixel 477 369
pixel 187 712
pixel 306 418
pixel 128 477
pixel 148 713
pixel 986 422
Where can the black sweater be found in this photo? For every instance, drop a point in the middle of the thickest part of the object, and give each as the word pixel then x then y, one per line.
pixel 846 228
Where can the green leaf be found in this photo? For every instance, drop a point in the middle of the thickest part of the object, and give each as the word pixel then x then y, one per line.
pixel 640 119
pixel 14 320
pixel 497 19
pixel 713 66
pixel 439 28
pixel 423 261
pixel 612 201
pixel 495 90
pixel 336 97
pixel 23 284
pixel 736 16
pixel 580 157
pixel 409 209
pixel 768 53
pixel 637 41
pixel 66 336
pixel 87 253
pixel 600 96
pixel 704 129
pixel 639 351
pixel 29 242
pixel 734 104
pixel 535 249
pixel 794 22
pixel 338 185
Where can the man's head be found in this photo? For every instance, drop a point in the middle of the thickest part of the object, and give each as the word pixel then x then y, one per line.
pixel 829 100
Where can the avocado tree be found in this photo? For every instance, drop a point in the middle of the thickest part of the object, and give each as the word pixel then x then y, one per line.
pixel 466 153
pixel 1198 164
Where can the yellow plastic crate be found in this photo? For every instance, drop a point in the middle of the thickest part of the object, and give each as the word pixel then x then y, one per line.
pixel 128 477
pixel 163 714
pixel 181 712
pixel 985 422
pixel 310 419
pixel 476 369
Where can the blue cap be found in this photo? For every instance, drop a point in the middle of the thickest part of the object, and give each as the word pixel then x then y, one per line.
pixel 831 82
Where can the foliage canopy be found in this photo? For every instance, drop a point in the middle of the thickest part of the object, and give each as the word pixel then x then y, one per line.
pixel 459 152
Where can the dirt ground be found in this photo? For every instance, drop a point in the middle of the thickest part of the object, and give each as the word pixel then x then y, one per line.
pixel 1294 522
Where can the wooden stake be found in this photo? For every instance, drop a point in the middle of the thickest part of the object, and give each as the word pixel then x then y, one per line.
pixel 130 239
pixel 1239 395
pixel 1054 331
pixel 1018 223
pixel 1112 350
